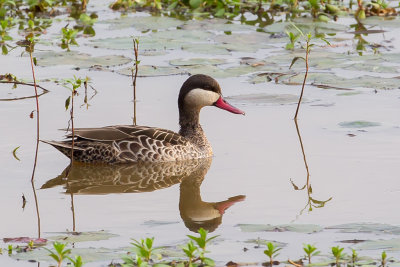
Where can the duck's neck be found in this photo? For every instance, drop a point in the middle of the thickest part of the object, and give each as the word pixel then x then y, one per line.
pixel 190 128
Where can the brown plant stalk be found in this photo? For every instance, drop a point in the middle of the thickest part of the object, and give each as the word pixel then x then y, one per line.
pixel 305 78
pixel 134 76
pixel 37 110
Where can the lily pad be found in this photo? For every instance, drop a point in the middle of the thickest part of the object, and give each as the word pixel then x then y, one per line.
pixel 24 240
pixel 306 25
pixel 206 48
pixel 350 93
pixel 261 242
pixel 360 124
pixel 171 252
pixel 146 43
pixel 197 61
pixel 245 42
pixel 153 223
pixel 217 72
pixel 220 25
pixel 87 254
pixel 144 23
pixel 79 59
pixel 334 81
pixel 297 228
pixel 387 245
pixel 376 228
pixel 72 237
pixel 152 71
pixel 371 68
pixel 385 22
pixel 258 99
pixel 183 36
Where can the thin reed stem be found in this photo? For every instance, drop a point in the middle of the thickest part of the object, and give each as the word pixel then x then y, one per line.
pixel 72 127
pixel 37 207
pixel 304 81
pixel 37 111
pixel 134 76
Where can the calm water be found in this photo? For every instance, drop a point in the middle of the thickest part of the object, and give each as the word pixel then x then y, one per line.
pixel 255 158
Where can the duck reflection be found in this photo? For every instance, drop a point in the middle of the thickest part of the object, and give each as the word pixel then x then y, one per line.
pixel 147 177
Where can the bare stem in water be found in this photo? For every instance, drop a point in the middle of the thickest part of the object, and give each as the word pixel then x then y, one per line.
pixel 305 79
pixel 37 207
pixel 72 126
pixel 31 45
pixel 134 76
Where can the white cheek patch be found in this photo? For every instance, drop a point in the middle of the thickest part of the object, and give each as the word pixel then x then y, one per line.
pixel 200 98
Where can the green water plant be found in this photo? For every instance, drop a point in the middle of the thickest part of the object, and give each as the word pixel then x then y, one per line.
pixel 77 262
pixel 292 40
pixel 307 39
pixel 202 241
pixel 271 252
pixel 10 249
pixel 4 36
pixel 85 23
pixel 60 252
pixel 123 5
pixel 310 251
pixel 143 248
pixel 137 262
pixel 68 38
pixel 338 254
pixel 354 257
pixel 383 259
pixel 73 85
pixel 191 251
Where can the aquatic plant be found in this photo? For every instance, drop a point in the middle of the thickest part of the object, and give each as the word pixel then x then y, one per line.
pixel 271 252
pixel 134 75
pixel 10 249
pixel 310 251
pixel 68 38
pixel 138 261
pixel 5 25
pixel 85 23
pixel 337 252
pixel 29 44
pixel 77 262
pixel 143 248
pixel 292 40
pixel 191 252
pixel 383 258
pixel 354 257
pixel 307 38
pixel 202 242
pixel 74 84
pixel 60 252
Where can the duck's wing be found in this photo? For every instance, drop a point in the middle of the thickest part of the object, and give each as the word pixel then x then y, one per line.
pixel 159 134
pixel 129 132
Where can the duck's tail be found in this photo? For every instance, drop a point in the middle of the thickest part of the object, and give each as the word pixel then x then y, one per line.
pixel 63 146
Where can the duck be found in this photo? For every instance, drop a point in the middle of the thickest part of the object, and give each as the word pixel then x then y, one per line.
pixel 95 179
pixel 134 143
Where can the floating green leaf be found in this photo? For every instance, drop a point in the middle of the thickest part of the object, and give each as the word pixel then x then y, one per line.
pixel 298 228
pixel 358 124
pixel 79 59
pixel 72 237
